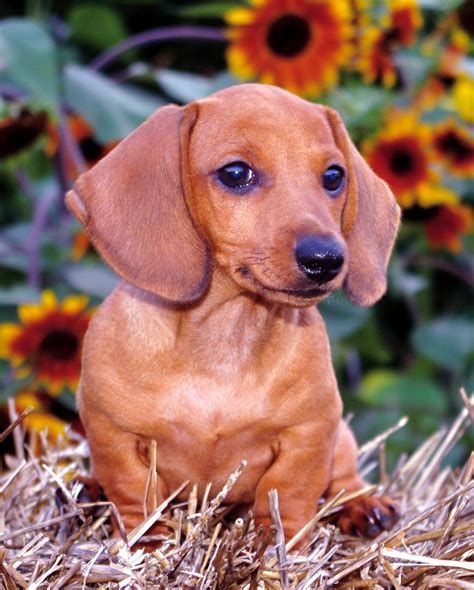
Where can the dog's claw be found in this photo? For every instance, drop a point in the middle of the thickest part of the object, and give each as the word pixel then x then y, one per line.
pixel 367 516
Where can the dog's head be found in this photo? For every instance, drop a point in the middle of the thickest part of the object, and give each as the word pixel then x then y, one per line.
pixel 253 179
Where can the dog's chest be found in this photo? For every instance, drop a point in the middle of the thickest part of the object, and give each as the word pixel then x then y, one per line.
pixel 210 409
pixel 208 431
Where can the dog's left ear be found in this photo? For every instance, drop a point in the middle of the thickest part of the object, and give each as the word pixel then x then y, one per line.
pixel 134 206
pixel 370 221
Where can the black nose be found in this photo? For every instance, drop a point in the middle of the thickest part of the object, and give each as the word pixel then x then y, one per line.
pixel 319 257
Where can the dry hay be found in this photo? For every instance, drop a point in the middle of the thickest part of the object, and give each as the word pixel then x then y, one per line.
pixel 50 539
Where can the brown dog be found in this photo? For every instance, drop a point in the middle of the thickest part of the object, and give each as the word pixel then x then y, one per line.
pixel 228 219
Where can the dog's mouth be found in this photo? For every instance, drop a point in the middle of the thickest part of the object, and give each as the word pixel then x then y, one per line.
pixel 297 293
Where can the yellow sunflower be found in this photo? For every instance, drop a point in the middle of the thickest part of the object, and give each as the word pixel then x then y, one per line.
pixel 47 342
pixel 463 96
pixel 378 43
pixel 454 147
pixel 400 155
pixel 403 21
pixel 297 44
pixel 375 60
pixel 465 21
pixel 447 226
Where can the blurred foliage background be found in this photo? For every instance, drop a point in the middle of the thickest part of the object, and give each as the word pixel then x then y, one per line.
pixel 77 76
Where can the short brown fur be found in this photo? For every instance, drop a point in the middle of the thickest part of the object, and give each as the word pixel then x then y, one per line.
pixel 212 344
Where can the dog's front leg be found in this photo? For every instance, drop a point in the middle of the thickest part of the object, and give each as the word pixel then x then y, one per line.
pixel 120 463
pixel 300 474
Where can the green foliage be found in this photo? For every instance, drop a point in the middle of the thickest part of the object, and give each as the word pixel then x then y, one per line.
pixel 95 26
pixel 29 60
pixel 449 342
pixel 113 110
pixel 205 9
pixel 342 318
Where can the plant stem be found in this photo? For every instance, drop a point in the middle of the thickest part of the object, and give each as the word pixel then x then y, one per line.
pixel 157 36
pixel 33 248
pixel 463 273
pixel 41 208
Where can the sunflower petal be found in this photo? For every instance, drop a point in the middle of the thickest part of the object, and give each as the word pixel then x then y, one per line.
pixel 238 64
pixel 239 16
pixel 463 93
pixel 8 332
pixel 30 313
pixel 40 421
pixel 267 78
pixel 74 303
pixel 48 300
pixel 33 312
pixel 429 195
pixel 26 398
pixel 54 387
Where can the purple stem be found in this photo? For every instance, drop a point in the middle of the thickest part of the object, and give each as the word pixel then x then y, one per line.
pixel 40 213
pixel 25 185
pixel 33 244
pixel 157 36
pixel 69 145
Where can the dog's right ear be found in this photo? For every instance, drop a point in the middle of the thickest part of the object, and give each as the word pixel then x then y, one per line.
pixel 133 207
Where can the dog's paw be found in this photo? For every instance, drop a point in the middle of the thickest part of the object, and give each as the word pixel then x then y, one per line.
pixel 367 516
pixel 91 491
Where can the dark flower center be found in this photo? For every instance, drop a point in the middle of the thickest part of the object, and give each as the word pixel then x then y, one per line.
pixel 401 163
pixel 391 37
pixel 59 345
pixel 21 132
pixel 288 35
pixel 91 150
pixel 446 80
pixel 466 17
pixel 417 213
pixel 454 146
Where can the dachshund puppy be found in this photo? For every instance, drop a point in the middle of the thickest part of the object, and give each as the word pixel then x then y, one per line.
pixel 228 219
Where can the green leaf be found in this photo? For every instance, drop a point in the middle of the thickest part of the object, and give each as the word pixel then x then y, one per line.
pixel 415 67
pixel 461 186
pixel 91 279
pixel 185 87
pixel 341 317
pixel 445 6
pixel 446 341
pixel 361 107
pixel 206 9
pixel 11 239
pixel 12 388
pixel 96 26
pixel 18 295
pixel 114 110
pixel 28 60
pixel 68 399
pixel 409 394
pixel 404 282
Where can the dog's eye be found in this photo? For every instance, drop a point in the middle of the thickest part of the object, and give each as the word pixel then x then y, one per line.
pixel 237 175
pixel 333 179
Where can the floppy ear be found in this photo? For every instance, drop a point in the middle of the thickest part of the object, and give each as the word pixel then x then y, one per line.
pixel 133 206
pixel 370 221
